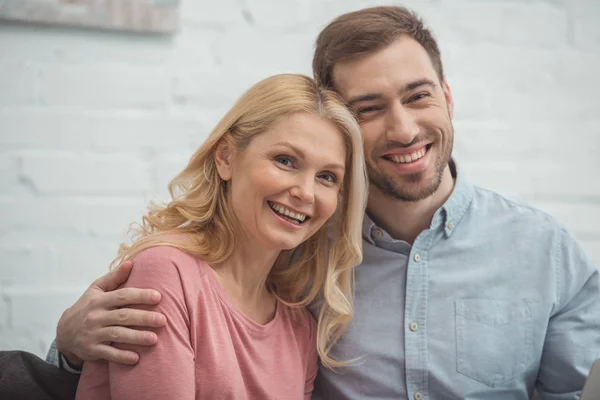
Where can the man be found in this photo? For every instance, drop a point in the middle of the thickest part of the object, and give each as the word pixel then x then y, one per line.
pixel 462 293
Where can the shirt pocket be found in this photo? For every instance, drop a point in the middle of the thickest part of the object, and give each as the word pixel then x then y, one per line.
pixel 494 338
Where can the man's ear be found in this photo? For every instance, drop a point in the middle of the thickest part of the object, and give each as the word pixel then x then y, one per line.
pixel 448 96
pixel 224 156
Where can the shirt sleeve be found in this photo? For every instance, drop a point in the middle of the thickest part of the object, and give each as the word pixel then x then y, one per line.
pixel 572 341
pixel 57 359
pixel 165 370
pixel 52 356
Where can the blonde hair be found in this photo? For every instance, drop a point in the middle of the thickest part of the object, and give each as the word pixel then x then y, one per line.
pixel 200 219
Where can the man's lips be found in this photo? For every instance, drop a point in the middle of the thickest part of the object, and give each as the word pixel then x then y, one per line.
pixel 406 156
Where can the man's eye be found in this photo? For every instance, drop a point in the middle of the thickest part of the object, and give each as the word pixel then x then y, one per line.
pixel 366 110
pixel 418 97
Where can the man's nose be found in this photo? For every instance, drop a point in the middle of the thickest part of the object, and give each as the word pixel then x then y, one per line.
pixel 402 126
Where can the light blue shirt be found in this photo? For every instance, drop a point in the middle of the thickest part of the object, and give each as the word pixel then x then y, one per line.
pixel 495 299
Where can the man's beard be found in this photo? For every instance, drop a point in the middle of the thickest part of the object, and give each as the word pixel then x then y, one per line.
pixel 389 186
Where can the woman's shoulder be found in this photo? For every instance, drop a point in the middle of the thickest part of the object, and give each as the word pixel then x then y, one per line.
pixel 162 254
pixel 169 260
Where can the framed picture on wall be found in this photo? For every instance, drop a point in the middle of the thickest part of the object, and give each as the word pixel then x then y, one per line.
pixel 160 16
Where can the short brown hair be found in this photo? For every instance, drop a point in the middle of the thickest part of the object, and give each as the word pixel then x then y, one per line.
pixel 366 31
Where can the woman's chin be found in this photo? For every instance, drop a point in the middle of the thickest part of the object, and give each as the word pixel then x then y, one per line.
pixel 282 245
pixel 281 240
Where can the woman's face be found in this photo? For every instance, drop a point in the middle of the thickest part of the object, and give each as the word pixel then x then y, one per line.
pixel 285 185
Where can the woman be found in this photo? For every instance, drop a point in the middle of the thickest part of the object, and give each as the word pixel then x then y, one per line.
pixel 266 215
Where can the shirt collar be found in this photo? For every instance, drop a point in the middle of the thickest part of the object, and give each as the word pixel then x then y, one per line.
pixel 367 229
pixel 451 212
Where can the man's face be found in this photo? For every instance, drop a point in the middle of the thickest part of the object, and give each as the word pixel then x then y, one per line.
pixel 405 114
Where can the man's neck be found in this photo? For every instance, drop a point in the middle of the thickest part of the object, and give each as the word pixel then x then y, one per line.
pixel 406 220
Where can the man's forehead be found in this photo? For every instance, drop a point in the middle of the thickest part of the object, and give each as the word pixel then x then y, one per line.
pixel 397 64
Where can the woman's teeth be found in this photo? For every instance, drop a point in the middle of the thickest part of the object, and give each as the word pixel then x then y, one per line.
pixel 286 212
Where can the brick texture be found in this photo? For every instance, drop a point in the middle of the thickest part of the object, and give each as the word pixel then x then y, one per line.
pixel 94 124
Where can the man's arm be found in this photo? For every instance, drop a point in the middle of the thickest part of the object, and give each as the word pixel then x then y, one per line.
pixel 573 336
pixel 165 371
pixel 101 316
pixel 59 360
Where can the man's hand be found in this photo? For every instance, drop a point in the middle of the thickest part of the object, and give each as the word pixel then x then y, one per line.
pixel 87 327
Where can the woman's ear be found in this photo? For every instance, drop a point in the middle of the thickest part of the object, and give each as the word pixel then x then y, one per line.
pixel 224 156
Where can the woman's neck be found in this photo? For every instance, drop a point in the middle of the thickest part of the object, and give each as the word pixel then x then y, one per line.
pixel 244 275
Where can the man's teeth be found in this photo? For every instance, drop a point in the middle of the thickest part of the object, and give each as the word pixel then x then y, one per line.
pixel 285 211
pixel 409 157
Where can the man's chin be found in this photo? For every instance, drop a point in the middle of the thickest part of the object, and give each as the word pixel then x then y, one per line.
pixel 408 191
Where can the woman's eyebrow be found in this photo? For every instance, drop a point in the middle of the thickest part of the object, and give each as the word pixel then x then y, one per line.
pixel 301 153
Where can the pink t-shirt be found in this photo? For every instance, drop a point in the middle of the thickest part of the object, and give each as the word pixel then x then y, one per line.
pixel 208 349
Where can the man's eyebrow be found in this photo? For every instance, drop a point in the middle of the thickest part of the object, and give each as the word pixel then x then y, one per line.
pixel 364 97
pixel 406 88
pixel 415 84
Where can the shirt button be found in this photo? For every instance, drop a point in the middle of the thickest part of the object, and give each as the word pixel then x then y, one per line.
pixel 450 225
pixel 378 232
pixel 417 257
pixel 414 326
pixel 418 396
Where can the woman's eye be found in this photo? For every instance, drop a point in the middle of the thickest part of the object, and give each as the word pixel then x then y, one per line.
pixel 329 177
pixel 285 161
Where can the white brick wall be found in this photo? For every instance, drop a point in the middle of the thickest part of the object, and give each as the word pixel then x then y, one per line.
pixel 94 124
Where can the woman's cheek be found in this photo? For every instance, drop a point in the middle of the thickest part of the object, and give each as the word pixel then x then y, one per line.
pixel 330 203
